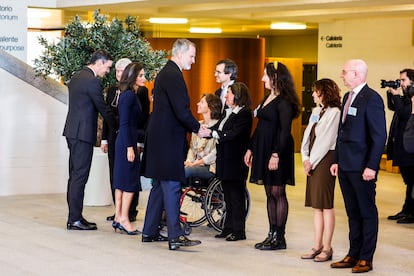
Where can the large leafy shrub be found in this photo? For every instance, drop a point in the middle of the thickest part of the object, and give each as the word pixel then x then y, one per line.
pixel 73 51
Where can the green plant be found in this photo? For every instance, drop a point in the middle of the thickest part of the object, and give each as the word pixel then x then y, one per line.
pixel 120 38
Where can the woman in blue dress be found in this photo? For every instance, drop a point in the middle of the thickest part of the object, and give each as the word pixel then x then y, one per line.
pixel 126 169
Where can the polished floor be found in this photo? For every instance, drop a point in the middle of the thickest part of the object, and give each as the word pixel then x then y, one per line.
pixel 34 241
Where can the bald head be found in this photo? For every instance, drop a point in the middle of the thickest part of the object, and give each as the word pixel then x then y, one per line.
pixel 360 66
pixel 354 73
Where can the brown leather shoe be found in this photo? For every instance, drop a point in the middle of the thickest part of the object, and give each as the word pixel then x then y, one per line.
pixel 346 262
pixel 362 266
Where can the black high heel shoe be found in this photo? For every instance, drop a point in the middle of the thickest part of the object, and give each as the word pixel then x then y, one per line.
pixel 131 233
pixel 115 225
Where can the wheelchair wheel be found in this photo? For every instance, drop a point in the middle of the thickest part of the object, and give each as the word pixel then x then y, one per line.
pixel 215 207
pixel 192 206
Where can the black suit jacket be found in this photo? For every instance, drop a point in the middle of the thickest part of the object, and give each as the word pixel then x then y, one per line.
pixel 218 92
pixel 113 105
pixel 171 118
pixel 401 105
pixel 361 139
pixel 232 145
pixel 409 135
pixel 142 95
pixel 85 101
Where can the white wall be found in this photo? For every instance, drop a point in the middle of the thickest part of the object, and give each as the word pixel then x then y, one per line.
pixel 384 43
pixel 33 152
pixel 13 27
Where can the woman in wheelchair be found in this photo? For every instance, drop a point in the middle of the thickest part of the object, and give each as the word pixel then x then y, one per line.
pixel 201 157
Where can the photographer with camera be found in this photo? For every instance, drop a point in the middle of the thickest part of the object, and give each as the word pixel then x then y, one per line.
pixel 401 105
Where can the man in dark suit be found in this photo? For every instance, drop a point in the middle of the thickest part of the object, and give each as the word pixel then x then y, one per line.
pixel 85 100
pixel 359 146
pixel 225 74
pixel 401 105
pixel 165 146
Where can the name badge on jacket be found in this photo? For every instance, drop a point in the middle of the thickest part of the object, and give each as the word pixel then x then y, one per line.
pixel 352 111
pixel 314 118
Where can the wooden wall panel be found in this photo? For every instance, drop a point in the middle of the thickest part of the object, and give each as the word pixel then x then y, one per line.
pixel 247 53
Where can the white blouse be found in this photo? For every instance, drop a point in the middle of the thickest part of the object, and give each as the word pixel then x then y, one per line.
pixel 326 132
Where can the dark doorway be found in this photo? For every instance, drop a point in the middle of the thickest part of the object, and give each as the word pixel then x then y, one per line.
pixel 309 76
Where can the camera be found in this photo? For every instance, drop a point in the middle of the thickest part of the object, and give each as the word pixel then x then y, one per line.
pixel 392 84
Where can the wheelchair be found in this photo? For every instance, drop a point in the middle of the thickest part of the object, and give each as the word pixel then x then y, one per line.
pixel 203 200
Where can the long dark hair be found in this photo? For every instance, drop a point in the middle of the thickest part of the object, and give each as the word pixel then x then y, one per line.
pixel 282 80
pixel 129 76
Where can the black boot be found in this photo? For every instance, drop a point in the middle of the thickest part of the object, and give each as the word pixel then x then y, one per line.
pixel 276 242
pixel 266 240
pixel 280 238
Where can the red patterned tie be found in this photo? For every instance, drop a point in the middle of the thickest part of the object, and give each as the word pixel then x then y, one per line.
pixel 347 104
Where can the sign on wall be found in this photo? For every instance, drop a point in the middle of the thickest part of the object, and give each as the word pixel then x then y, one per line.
pixel 332 41
pixel 13 28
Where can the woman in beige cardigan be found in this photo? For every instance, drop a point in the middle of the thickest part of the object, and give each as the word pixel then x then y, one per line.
pixel 201 157
pixel 318 144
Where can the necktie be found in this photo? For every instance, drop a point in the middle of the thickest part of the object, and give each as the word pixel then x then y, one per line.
pixel 347 104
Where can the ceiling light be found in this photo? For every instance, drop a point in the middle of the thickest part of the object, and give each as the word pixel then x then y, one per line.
pixel 165 20
pixel 205 30
pixel 287 26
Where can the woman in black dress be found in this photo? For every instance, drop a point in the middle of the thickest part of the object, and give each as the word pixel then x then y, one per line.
pixel 126 170
pixel 270 152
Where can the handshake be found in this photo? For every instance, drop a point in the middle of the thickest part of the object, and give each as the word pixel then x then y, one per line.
pixel 204 131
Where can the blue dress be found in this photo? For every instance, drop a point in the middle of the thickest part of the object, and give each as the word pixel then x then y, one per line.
pixel 126 174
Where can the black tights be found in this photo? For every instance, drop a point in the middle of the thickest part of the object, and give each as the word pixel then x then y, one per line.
pixel 277 206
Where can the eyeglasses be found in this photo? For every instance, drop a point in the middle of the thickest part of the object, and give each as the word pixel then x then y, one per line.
pixel 344 72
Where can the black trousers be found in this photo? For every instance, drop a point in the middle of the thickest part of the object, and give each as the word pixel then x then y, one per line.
pixel 235 199
pixel 407 173
pixel 359 198
pixel 80 160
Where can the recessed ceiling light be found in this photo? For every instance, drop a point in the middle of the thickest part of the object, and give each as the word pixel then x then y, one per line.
pixel 288 26
pixel 165 20
pixel 205 30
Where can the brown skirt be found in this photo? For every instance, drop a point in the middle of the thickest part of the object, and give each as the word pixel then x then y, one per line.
pixel 320 186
